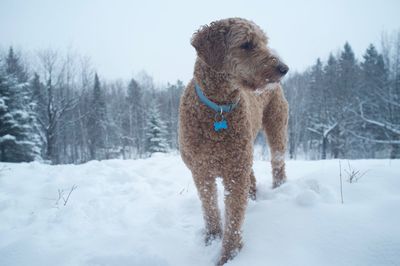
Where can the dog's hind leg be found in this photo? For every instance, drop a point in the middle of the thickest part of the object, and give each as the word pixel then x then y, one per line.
pixel 207 190
pixel 275 119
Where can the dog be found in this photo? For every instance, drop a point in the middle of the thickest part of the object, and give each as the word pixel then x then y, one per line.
pixel 235 92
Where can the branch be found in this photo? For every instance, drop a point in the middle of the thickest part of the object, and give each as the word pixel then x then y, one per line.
pixel 61 195
pixel 71 104
pixel 127 138
pixel 341 182
pixel 375 140
pixel 315 131
pixel 386 100
pixel 77 119
pixel 377 123
pixel 69 194
pixel 329 130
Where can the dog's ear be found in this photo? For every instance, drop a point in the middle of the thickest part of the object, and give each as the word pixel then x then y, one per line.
pixel 210 44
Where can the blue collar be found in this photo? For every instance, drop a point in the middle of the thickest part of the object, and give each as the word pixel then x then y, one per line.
pixel 216 107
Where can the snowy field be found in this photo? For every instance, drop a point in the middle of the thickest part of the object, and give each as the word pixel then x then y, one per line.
pixel 147 213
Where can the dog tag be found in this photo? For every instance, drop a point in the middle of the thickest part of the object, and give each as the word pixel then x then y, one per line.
pixel 219 125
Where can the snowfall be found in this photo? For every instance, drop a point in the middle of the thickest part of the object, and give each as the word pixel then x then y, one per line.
pixel 147 213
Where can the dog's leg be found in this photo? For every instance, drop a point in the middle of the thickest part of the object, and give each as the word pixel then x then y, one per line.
pixel 207 190
pixel 275 119
pixel 236 194
pixel 253 188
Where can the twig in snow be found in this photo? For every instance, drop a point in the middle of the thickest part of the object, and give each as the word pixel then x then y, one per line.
pixel 69 194
pixel 341 183
pixel 61 195
pixel 354 175
pixel 184 189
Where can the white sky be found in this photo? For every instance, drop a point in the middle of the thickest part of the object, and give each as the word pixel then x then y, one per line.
pixel 124 37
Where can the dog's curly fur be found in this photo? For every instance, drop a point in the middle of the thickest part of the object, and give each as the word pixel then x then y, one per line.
pixel 233 64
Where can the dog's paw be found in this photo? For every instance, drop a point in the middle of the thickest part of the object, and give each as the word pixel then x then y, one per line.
pixel 277 183
pixel 228 255
pixel 211 236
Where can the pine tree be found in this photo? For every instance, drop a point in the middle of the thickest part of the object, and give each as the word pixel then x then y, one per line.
pixel 376 105
pixel 374 81
pixel 19 140
pixel 14 66
pixel 156 133
pixel 347 85
pixel 39 100
pixel 97 122
pixel 7 122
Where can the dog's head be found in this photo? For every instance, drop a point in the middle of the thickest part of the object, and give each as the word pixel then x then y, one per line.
pixel 239 47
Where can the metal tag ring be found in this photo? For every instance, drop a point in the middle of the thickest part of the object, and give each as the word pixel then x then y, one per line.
pixel 219 115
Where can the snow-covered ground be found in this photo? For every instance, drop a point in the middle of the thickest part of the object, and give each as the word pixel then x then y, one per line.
pixel 147 213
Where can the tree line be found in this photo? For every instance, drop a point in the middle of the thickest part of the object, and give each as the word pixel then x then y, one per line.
pixel 347 108
pixel 56 108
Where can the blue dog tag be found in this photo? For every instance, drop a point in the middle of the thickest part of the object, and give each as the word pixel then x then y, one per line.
pixel 218 125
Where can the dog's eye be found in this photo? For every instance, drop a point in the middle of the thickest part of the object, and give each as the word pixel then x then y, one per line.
pixel 247 46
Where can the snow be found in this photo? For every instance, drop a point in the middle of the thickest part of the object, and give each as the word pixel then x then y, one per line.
pixel 146 212
pixel 3 106
pixel 7 137
pixel 270 86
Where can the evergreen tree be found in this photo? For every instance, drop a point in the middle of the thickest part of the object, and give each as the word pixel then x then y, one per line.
pixel 39 101
pixel 376 103
pixel 7 122
pixel 97 122
pixel 334 104
pixel 156 134
pixel 14 67
pixel 347 85
pixel 374 81
pixel 19 140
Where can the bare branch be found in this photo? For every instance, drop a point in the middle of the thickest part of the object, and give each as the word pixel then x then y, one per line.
pixel 69 194
pixel 60 196
pixel 353 175
pixel 315 131
pixel 330 129
pixel 376 140
pixel 389 127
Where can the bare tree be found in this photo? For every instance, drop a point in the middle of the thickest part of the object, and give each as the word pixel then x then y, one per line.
pixel 56 107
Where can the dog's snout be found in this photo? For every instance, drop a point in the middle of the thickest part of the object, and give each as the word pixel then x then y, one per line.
pixel 283 69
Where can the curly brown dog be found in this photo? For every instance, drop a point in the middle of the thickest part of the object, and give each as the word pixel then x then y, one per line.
pixel 234 93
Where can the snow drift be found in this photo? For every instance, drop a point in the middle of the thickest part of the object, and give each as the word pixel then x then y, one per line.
pixel 147 213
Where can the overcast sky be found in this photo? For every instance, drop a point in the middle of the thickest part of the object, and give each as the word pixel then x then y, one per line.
pixel 124 37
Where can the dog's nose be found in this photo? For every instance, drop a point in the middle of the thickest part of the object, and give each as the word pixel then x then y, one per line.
pixel 283 69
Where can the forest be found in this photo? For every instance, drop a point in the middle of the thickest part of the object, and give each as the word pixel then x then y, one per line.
pixel 345 107
pixel 55 108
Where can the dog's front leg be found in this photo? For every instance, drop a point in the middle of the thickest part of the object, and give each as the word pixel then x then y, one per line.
pixel 237 187
pixel 275 120
pixel 207 190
